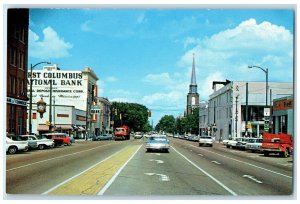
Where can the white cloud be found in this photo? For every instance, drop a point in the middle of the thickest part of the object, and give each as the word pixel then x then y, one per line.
pixel 50 47
pixel 227 54
pixel 158 79
pixel 111 79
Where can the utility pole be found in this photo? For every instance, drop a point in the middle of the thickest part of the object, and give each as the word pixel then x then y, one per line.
pixel 50 107
pixel 236 114
pixel 246 125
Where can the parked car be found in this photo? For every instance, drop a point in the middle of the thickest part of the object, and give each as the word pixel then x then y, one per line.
pixel 42 142
pixel 205 140
pixel 32 144
pixel 59 138
pixel 241 143
pixel 103 137
pixel 232 143
pixel 13 146
pixel 254 144
pixel 158 142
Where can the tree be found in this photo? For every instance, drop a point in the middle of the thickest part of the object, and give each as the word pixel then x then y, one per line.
pixel 166 124
pixel 131 114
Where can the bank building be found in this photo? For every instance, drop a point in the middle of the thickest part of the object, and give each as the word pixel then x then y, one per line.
pixel 73 95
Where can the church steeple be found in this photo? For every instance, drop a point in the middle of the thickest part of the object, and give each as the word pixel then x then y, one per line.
pixel 193 96
pixel 193 85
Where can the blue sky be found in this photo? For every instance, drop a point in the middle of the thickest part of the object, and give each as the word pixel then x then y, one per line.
pixel 145 55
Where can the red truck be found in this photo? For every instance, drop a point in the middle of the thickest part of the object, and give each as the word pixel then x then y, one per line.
pixel 277 143
pixel 122 133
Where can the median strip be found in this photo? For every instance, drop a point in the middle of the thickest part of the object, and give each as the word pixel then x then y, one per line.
pixel 92 180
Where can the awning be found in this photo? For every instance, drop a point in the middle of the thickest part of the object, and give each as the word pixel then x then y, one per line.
pixel 63 127
pixel 43 128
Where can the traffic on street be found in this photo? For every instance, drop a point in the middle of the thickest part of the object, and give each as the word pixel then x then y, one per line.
pixel 126 168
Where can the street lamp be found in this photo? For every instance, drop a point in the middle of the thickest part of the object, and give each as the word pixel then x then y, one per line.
pixel 266 72
pixel 30 97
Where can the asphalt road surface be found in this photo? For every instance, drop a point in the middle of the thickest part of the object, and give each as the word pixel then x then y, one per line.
pixel 113 169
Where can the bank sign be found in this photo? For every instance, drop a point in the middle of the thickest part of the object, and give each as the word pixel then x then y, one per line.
pixel 68 87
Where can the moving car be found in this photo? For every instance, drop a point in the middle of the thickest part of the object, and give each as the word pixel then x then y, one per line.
pixel 254 144
pixel 158 142
pixel 232 143
pixel 138 135
pixel 13 146
pixel 205 140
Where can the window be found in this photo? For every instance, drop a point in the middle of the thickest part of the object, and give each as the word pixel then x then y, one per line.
pixel 13 56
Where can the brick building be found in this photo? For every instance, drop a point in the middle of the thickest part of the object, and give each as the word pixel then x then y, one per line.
pixel 17 57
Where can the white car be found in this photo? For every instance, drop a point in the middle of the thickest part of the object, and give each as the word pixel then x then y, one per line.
pixel 205 140
pixel 232 143
pixel 254 144
pixel 13 146
pixel 42 142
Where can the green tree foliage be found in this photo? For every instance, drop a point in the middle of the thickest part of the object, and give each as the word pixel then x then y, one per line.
pixel 181 125
pixel 166 124
pixel 131 114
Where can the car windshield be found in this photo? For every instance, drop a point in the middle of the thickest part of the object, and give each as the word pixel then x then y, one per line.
pixel 157 139
pixel 119 129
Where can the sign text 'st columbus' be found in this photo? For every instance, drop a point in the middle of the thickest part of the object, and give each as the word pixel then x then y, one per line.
pixel 68 87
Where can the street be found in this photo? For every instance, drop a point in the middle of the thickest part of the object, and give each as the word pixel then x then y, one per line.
pixel 124 168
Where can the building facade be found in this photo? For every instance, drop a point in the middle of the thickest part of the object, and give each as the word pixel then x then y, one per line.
pixel 192 96
pixel 227 107
pixel 283 115
pixel 17 52
pixel 67 88
pixel 103 117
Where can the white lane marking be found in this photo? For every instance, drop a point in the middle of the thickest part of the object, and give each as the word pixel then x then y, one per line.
pixel 158 161
pixel 216 162
pixel 247 163
pixel 252 178
pixel 200 155
pixel 19 167
pixel 207 174
pixel 51 189
pixel 107 185
pixel 162 177
pixel 156 153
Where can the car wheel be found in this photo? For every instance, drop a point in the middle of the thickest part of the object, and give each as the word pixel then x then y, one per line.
pixel 266 154
pixel 12 150
pixel 69 143
pixel 200 144
pixel 286 153
pixel 41 146
pixel 52 145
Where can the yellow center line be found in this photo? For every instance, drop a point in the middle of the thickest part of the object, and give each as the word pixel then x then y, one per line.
pixel 92 181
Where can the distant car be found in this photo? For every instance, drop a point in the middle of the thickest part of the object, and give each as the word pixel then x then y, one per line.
pixel 13 146
pixel 205 140
pixel 59 138
pixel 32 144
pixel 224 142
pixel 41 141
pixel 103 137
pixel 254 144
pixel 159 143
pixel 138 135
